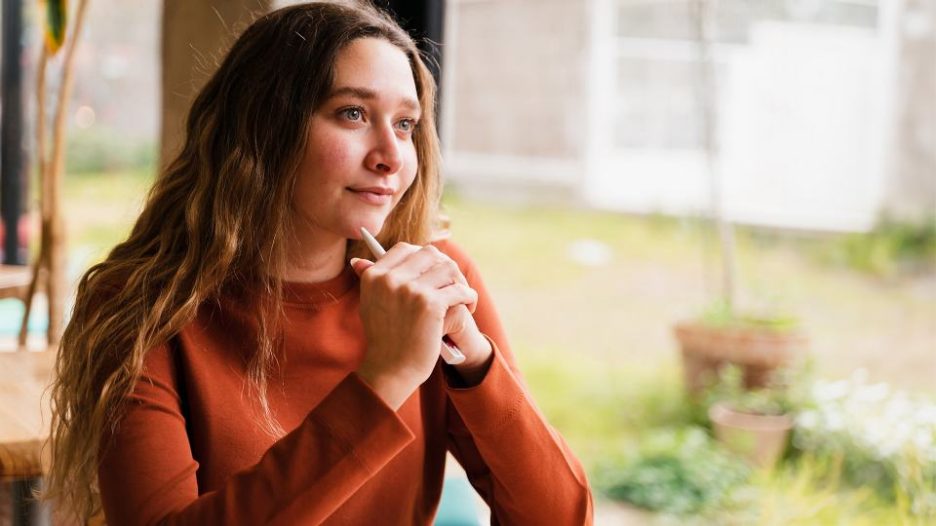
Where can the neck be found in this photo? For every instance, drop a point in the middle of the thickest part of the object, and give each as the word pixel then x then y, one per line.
pixel 315 258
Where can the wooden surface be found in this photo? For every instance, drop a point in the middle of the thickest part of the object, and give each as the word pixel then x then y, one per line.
pixel 14 280
pixel 24 414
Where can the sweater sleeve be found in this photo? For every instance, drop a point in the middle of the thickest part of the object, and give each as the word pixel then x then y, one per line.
pixel 147 473
pixel 516 461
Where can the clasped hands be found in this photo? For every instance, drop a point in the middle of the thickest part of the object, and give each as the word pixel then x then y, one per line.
pixel 410 299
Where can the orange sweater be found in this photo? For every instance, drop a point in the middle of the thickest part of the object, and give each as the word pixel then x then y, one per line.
pixel 188 449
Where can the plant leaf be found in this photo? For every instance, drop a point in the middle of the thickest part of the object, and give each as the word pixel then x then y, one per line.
pixel 56 23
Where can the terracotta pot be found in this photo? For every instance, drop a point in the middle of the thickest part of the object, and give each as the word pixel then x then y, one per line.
pixel 759 439
pixel 757 351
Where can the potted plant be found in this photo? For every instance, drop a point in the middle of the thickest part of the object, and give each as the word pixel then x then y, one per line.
pixel 754 423
pixel 758 344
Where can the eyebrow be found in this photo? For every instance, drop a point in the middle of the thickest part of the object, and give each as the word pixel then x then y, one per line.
pixel 367 94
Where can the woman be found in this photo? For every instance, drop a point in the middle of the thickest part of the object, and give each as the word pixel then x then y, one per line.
pixel 237 361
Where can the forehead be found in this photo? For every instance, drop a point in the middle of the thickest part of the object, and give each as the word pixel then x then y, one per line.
pixel 376 65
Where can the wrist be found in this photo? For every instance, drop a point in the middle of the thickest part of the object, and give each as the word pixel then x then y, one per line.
pixel 478 361
pixel 393 389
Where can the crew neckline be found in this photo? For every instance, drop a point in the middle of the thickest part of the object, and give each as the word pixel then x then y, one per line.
pixel 304 293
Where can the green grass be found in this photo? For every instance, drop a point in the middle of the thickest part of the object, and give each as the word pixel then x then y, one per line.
pixel 810 490
pixel 100 208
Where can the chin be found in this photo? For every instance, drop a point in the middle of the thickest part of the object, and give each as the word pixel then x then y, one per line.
pixel 373 225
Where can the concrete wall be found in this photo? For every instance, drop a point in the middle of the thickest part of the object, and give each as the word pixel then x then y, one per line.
pixel 515 81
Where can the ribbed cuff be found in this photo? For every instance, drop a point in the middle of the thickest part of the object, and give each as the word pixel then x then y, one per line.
pixel 355 415
pixel 492 403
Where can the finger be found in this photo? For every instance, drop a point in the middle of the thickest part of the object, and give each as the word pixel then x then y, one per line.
pixel 457 295
pixel 416 263
pixel 360 265
pixel 456 319
pixel 442 274
pixel 396 254
pixel 438 258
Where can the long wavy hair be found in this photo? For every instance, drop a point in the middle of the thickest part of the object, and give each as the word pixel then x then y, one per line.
pixel 219 218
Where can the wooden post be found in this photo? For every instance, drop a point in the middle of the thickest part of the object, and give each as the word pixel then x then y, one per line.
pixel 13 156
pixel 195 36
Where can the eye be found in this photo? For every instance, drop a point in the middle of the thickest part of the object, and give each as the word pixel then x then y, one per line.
pixel 353 113
pixel 407 125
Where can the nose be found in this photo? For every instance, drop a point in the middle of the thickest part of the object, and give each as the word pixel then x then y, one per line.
pixel 384 156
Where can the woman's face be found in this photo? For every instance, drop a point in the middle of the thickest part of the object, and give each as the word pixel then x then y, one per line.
pixel 360 158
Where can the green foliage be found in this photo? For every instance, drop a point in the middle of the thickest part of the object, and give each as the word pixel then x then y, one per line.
pixel 891 248
pixel 56 23
pixel 720 314
pixel 96 150
pixel 678 471
pixel 785 394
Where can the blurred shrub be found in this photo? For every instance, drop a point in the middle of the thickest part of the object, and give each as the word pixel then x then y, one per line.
pixel 784 394
pixel 886 439
pixel 862 454
pixel 679 471
pixel 892 247
pixel 98 149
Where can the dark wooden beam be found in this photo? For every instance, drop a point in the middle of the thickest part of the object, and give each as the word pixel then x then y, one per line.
pixel 12 153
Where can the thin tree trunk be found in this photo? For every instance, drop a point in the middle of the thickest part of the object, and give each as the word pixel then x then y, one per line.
pixel 57 285
pixel 704 11
pixel 39 264
pixel 52 259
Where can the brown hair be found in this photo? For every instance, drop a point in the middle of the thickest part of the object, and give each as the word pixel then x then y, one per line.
pixel 218 218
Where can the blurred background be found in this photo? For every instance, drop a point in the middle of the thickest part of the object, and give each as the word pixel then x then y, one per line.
pixel 678 205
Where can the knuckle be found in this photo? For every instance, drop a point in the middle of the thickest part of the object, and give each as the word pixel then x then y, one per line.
pixel 393 282
pixel 411 289
pixel 369 277
pixel 427 302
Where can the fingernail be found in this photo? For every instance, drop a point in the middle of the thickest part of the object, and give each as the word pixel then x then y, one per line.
pixel 353 260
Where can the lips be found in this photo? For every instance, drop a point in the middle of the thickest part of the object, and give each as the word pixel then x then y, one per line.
pixel 379 190
pixel 375 195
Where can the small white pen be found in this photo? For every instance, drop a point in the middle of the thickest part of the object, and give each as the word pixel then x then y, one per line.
pixel 451 354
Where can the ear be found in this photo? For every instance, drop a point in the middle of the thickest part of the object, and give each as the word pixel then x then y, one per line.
pixel 360 265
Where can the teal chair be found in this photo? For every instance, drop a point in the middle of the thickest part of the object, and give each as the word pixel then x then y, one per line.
pixel 11 315
pixel 459 504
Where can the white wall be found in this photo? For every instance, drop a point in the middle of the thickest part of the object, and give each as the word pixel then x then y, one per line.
pixel 802 122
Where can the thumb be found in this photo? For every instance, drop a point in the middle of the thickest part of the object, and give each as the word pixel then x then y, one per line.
pixel 360 265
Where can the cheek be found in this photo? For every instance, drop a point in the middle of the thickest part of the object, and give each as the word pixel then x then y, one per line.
pixel 411 164
pixel 324 164
pixel 328 153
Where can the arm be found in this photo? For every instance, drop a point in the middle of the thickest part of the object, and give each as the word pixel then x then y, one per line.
pixel 147 474
pixel 514 459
